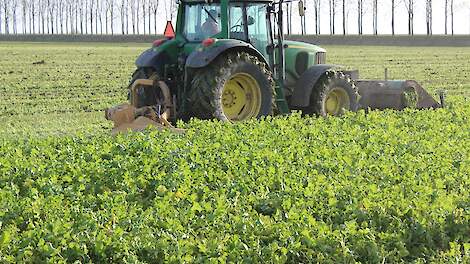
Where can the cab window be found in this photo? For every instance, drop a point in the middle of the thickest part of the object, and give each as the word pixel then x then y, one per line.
pixel 201 21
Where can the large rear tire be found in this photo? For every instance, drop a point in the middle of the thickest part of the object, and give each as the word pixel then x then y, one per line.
pixel 235 87
pixel 333 94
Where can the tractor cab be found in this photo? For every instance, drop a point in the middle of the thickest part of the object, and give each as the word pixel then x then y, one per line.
pixel 240 20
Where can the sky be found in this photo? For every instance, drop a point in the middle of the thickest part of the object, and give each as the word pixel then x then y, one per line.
pixel 461 17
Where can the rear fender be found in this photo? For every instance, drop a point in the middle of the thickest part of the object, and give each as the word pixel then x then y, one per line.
pixel 306 83
pixel 202 56
pixel 153 58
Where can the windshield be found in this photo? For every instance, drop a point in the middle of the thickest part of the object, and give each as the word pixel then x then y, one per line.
pixel 201 21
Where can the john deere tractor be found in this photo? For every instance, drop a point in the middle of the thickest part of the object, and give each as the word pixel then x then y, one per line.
pixel 228 60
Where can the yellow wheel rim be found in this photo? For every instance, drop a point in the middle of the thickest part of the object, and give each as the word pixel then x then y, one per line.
pixel 241 97
pixel 337 100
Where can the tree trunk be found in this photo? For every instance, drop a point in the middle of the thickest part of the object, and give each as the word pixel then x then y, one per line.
pixel 127 17
pixel 446 15
pixel 91 16
pixel 359 16
pixel 344 17
pixel 137 16
pixel 149 13
pixel 331 16
pixel 86 17
pixel 112 18
pixel 97 10
pixel 429 17
pixel 123 11
pixel 375 17
pixel 81 21
pixel 410 17
pixel 6 17
pixel 393 17
pixel 155 20
pixel 15 28
pixel 317 17
pixel 24 16
pixel 452 16
pixel 144 9
pixel 106 22
pixel 0 19
pixel 132 18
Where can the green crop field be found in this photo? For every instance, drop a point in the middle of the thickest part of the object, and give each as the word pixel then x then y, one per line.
pixel 382 187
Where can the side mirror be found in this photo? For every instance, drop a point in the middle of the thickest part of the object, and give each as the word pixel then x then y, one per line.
pixel 250 21
pixel 301 8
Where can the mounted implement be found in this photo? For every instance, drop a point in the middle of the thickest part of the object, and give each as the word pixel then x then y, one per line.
pixel 228 60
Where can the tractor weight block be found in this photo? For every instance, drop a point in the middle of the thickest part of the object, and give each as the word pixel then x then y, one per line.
pixel 394 95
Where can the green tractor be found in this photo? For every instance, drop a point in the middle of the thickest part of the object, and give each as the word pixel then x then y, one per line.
pixel 228 60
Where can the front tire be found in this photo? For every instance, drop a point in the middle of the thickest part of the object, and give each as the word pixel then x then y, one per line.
pixel 334 94
pixel 235 87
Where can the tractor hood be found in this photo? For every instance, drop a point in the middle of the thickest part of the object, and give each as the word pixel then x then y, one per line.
pixel 303 46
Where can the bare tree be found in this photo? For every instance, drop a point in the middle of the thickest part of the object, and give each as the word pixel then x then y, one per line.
pixel 149 12
pixel 123 12
pixel 137 15
pixel 446 15
pixel 1 5
pixel 79 3
pixel 393 17
pixel 154 4
pixel 332 12
pixel 69 16
pixel 32 16
pixel 144 15
pixel 50 12
pixel 410 4
pixel 14 8
pixel 452 16
pixel 429 17
pixel 1 11
pixel 97 8
pixel 344 17
pixel 24 15
pixel 6 12
pixel 61 5
pixel 133 8
pixel 316 7
pixel 360 15
pixel 91 10
pixel 375 20
pixel 99 16
pixel 109 15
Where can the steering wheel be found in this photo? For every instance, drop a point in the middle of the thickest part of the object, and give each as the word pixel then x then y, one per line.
pixel 233 28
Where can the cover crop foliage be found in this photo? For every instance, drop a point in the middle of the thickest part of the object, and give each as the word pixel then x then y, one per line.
pixel 383 187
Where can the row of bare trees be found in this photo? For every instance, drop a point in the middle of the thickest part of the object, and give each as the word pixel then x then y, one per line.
pixel 359 7
pixel 143 16
pixel 81 16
